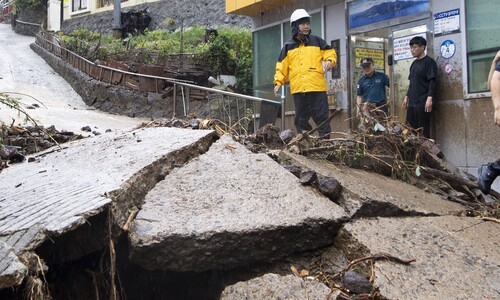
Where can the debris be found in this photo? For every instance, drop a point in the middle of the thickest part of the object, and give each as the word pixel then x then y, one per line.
pixel 330 187
pixel 19 141
pixel 391 148
pixel 308 177
pixel 356 283
pixel 286 135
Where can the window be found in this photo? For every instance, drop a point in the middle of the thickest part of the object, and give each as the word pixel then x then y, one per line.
pixel 483 41
pixel 266 50
pixel 79 5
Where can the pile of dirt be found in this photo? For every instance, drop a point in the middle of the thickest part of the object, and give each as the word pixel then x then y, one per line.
pixel 391 148
pixel 18 141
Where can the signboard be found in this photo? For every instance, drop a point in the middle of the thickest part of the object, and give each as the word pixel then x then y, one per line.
pixel 376 54
pixel 401 46
pixel 366 12
pixel 447 49
pixel 447 22
pixel 336 70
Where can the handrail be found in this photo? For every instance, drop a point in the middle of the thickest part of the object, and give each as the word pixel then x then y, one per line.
pixel 186 83
pixel 27 23
pixel 43 42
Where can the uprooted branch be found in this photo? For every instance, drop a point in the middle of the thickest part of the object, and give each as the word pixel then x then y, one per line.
pixel 378 256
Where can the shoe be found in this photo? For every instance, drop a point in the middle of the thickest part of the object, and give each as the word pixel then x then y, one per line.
pixel 486 176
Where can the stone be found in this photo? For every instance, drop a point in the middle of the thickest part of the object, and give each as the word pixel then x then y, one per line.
pixel 356 283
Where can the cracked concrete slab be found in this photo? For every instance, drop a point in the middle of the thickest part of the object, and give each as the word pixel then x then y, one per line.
pixel 452 262
pixel 273 286
pixel 65 187
pixel 367 194
pixel 227 208
pixel 12 271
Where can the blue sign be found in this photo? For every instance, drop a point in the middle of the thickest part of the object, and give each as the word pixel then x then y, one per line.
pixel 365 12
pixel 447 49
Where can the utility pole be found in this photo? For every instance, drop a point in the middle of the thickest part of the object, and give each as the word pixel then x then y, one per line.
pixel 117 20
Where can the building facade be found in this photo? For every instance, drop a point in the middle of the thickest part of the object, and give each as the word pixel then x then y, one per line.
pixel 6 6
pixel 463 36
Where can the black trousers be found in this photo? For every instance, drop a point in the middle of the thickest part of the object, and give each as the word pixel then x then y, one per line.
pixel 311 105
pixel 416 117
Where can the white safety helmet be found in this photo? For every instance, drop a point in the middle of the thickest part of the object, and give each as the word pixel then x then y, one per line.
pixel 299 14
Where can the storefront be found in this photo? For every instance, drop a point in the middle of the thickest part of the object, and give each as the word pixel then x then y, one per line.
pixel 382 30
pixel 462 36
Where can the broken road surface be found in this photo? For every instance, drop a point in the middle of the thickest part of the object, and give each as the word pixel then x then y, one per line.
pixel 63 188
pixel 228 208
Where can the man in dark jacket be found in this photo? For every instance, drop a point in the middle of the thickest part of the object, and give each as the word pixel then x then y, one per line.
pixel 371 86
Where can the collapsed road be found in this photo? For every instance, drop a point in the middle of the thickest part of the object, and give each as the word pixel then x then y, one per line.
pixel 201 204
pixel 165 213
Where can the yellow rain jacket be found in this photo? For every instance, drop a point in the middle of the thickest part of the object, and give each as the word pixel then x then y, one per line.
pixel 301 64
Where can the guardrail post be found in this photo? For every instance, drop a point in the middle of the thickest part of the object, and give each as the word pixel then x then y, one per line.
pixel 283 108
pixel 175 99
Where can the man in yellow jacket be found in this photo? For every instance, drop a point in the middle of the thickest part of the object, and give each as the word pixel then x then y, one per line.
pixel 301 62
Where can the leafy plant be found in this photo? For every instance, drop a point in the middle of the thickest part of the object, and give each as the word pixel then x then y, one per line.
pixel 22 5
pixel 219 57
pixel 228 52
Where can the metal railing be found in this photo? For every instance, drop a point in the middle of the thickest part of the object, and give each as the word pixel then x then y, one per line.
pixel 27 23
pixel 230 108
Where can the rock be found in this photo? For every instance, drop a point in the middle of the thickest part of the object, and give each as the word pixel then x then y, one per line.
pixel 294 170
pixel 308 177
pixel 329 187
pixel 357 283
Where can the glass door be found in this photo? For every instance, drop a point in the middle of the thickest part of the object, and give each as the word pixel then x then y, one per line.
pixel 374 44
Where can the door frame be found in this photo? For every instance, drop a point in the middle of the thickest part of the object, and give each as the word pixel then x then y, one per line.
pixel 389 59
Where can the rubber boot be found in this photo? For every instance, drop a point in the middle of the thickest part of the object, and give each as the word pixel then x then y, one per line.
pixel 486 175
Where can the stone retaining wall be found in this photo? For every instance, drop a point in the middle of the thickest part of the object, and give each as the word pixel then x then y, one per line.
pixel 26 22
pixel 170 15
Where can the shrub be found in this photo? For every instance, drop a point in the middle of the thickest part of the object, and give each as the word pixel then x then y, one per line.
pixel 229 52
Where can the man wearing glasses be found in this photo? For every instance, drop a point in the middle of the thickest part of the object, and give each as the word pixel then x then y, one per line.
pixel 421 94
pixel 371 87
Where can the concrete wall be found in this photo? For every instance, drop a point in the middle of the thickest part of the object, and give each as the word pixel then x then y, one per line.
pixel 464 122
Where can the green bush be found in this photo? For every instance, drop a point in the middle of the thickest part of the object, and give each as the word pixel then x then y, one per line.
pixel 22 5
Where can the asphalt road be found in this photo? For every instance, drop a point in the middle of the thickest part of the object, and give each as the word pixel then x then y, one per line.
pixel 26 76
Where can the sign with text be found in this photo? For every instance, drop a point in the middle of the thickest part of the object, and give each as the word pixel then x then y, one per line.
pixel 447 22
pixel 336 70
pixel 401 46
pixel 376 54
